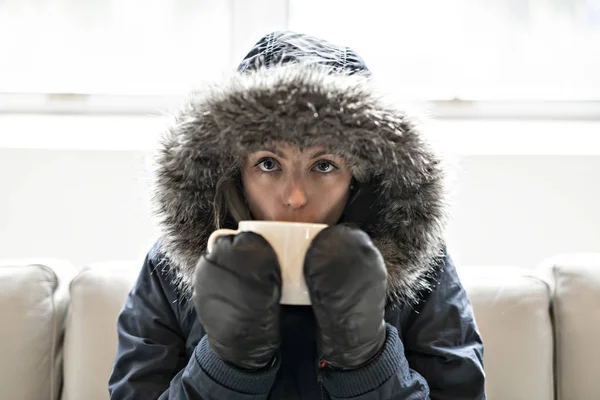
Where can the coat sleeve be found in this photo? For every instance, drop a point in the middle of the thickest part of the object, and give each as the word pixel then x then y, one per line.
pixel 151 360
pixel 439 356
pixel 442 341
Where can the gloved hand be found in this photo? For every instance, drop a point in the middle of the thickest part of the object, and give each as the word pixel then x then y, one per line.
pixel 237 289
pixel 347 280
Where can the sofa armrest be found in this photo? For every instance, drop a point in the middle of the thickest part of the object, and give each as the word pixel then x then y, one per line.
pixel 33 304
pixel 575 284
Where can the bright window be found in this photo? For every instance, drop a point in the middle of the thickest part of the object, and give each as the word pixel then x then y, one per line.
pixel 135 47
pixel 467 49
pixel 427 49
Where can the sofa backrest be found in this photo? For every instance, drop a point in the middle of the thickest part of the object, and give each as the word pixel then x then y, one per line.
pixel 512 310
pixel 33 305
pixel 97 295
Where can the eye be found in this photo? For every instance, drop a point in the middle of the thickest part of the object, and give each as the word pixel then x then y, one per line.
pixel 267 164
pixel 324 166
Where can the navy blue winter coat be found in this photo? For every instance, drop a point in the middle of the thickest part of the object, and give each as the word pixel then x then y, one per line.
pixel 299 89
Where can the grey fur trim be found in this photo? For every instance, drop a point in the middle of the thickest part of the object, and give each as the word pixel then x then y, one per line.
pixel 304 106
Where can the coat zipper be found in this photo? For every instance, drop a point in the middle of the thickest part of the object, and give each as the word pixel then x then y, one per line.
pixel 321 387
pixel 324 394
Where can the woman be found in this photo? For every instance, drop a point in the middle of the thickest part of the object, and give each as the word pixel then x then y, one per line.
pixel 298 135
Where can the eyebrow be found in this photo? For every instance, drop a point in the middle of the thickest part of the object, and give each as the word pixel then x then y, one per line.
pixel 319 153
pixel 276 152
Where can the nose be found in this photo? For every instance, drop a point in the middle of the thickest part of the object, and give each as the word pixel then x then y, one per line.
pixel 296 197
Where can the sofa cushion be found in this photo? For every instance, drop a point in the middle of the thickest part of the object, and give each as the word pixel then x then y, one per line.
pixel 575 280
pixel 97 296
pixel 33 304
pixel 512 309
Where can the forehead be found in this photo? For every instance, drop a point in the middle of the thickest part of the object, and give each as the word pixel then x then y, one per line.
pixel 290 149
pixel 294 149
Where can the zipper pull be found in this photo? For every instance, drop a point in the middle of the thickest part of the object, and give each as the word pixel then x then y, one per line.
pixel 322 366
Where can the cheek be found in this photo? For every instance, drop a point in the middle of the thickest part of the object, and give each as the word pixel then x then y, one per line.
pixel 339 196
pixel 331 197
pixel 259 195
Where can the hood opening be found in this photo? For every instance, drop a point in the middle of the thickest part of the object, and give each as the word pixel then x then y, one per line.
pixel 399 190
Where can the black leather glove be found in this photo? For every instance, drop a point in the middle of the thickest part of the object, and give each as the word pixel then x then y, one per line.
pixel 237 289
pixel 347 280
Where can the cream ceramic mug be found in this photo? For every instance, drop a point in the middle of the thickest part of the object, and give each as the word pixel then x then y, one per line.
pixel 290 240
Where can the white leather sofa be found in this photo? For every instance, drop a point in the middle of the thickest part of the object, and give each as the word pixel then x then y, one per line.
pixel 541 328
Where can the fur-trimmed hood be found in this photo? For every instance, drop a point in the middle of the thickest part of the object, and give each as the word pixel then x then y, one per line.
pixel 400 198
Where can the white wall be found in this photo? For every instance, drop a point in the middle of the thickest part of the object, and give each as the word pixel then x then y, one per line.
pixel 82 205
pixel 90 205
pixel 518 209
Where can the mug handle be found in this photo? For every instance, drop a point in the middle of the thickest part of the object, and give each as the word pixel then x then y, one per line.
pixel 213 237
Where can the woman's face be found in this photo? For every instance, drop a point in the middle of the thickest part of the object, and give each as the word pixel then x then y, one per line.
pixel 286 184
